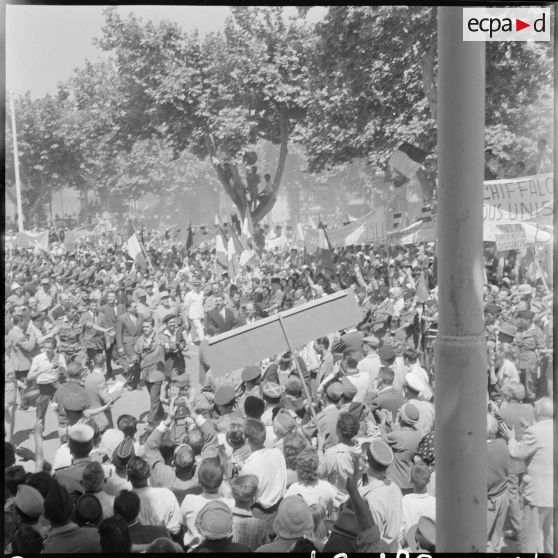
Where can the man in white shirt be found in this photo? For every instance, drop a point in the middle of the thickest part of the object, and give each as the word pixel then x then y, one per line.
pixel 360 379
pixel 411 361
pixel 417 504
pixel 193 310
pixel 268 464
pixel 159 506
pixel 371 362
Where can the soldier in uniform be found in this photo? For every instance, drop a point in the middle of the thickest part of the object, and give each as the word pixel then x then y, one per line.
pixel 529 340
pixel 80 443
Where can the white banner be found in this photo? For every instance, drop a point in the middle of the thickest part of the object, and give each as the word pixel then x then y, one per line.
pixel 515 200
pixel 511 241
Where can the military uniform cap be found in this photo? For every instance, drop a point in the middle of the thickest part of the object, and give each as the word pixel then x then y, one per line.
pixel 224 395
pixel 251 373
pixel 380 452
pixel 81 433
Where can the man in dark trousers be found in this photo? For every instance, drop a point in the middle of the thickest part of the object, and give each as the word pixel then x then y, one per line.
pixel 220 319
pixel 110 312
pixel 128 331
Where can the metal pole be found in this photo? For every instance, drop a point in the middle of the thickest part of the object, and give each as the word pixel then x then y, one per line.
pixel 460 358
pixel 295 357
pixel 16 167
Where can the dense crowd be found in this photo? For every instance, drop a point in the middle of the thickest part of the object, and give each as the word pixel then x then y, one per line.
pixel 331 448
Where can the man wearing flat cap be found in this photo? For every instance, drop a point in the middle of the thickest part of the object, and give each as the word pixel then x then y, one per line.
pixel 529 340
pixel 225 403
pixel 251 378
pixel 384 498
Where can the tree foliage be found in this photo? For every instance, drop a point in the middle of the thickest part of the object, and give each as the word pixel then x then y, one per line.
pixel 375 86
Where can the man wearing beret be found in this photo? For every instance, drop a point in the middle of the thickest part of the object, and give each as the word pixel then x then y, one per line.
pixel 529 340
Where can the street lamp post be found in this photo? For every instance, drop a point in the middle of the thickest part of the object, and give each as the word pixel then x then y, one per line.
pixel 461 362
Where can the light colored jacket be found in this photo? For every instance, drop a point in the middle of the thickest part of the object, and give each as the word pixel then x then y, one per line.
pixel 536 449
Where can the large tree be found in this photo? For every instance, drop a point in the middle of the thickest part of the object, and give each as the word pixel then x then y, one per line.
pixel 217 96
pixel 47 160
pixel 375 85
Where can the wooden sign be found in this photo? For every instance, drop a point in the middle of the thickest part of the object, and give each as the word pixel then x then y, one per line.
pixel 265 338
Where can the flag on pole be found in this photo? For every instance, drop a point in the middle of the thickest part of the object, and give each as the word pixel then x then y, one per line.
pixel 324 253
pixel 189 239
pixel 233 257
pixel 407 159
pixel 221 259
pixel 133 246
pixel 355 236
pixel 421 291
pixel 299 239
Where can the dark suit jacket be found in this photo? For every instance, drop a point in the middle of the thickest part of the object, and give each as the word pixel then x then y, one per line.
pixel 109 316
pixel 127 334
pixel 214 323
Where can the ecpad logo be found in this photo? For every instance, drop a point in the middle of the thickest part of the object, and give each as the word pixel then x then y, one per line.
pixel 506 24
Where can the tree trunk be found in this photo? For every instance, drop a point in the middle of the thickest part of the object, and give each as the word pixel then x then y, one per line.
pixel 266 206
pixel 428 85
pixel 34 207
pixel 237 191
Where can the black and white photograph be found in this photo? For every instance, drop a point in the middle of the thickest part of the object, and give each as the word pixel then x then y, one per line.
pixel 279 279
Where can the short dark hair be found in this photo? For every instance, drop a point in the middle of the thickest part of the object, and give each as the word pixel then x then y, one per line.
pixel 411 355
pixel 386 375
pixel 41 481
pixel 27 540
pixel 324 341
pixel 194 439
pixel 254 407
pixel 254 430
pixel 128 424
pixel 210 473
pixel 235 435
pixel 80 449
pixel 114 535
pixel 13 477
pixel 348 425
pixel 127 504
pixel 138 470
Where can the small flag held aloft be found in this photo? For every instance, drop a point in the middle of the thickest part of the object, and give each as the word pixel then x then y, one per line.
pixel 407 159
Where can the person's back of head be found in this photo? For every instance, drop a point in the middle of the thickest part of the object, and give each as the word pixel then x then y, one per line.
pixel 304 546
pixel 293 444
pixel 13 477
pixel 163 545
pixel 244 488
pixel 235 436
pixel 254 407
pixel 184 458
pixel 41 481
pixel 93 478
pixel 516 391
pixel 74 370
pixel 347 426
pixel 255 433
pixel 138 472
pixel 127 505
pixel 27 540
pixel 194 439
pixel 58 505
pixel 210 474
pixel 88 511
pixel 114 535
pixel 411 355
pixel 386 376
pixel 544 408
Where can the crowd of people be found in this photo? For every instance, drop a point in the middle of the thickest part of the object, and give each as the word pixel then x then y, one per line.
pixel 330 448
